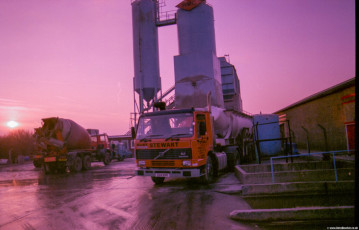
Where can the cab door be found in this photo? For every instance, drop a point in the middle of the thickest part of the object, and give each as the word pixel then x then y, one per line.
pixel 202 133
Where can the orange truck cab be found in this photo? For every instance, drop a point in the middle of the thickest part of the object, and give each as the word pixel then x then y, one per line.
pixel 100 141
pixel 177 143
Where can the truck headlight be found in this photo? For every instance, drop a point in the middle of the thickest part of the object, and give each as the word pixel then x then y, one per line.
pixel 186 163
pixel 141 163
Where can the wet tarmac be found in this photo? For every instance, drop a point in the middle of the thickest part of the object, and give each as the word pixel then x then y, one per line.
pixel 112 197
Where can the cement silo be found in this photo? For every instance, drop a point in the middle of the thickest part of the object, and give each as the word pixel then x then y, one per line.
pixel 147 81
pixel 197 68
pixel 196 30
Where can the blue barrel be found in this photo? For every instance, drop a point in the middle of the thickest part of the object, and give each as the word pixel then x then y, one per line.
pixel 266 126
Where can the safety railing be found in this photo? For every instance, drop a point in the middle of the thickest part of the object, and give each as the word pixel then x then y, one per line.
pixel 310 154
pixel 284 140
pixel 167 15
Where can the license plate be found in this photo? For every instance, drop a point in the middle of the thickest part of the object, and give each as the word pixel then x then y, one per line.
pixel 50 159
pixel 162 175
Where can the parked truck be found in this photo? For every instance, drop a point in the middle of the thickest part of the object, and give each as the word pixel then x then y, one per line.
pixel 101 142
pixel 120 151
pixel 191 143
pixel 67 145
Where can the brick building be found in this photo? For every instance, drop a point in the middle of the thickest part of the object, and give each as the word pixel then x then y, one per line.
pixel 324 121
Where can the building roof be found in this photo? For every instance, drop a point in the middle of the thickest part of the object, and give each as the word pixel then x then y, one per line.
pixel 126 135
pixel 331 90
pixel 119 136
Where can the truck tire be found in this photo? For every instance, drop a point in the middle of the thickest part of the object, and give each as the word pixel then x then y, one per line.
pixel 208 177
pixel 107 158
pixel 86 162
pixel 158 180
pixel 77 164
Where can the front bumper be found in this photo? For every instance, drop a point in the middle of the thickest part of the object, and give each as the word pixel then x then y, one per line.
pixel 169 172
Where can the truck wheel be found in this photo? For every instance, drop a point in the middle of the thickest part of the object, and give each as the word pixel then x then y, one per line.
pixel 107 159
pixel 77 164
pixel 208 177
pixel 158 180
pixel 86 163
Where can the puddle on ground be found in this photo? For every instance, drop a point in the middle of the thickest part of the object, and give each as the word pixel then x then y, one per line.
pixel 26 182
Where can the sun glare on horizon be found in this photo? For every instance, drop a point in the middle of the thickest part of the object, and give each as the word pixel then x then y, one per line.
pixel 12 124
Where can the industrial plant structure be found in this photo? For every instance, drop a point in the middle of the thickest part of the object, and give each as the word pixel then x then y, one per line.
pixel 203 129
pixel 204 80
pixel 199 73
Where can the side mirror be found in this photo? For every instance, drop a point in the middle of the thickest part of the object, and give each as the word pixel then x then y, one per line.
pixel 133 132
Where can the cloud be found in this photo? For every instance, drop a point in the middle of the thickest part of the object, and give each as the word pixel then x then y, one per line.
pixel 20 108
pixel 16 105
pixel 9 101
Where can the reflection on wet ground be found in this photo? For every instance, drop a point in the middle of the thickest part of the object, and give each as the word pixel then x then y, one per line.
pixel 111 197
pixel 14 182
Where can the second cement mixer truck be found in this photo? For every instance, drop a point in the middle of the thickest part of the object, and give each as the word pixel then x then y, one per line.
pixel 65 144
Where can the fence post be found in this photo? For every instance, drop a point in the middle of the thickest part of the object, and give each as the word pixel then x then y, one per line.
pixel 258 148
pixel 335 167
pixel 290 142
pixel 271 165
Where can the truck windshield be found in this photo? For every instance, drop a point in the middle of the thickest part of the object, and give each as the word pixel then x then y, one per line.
pixel 165 126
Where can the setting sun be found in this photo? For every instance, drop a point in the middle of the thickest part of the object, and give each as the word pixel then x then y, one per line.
pixel 12 124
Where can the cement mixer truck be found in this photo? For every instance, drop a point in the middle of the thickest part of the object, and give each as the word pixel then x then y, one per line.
pixel 187 143
pixel 67 145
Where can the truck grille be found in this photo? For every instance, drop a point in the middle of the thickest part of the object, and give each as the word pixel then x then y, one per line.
pixel 147 154
pixel 162 163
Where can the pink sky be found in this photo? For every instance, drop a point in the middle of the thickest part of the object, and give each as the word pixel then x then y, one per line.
pixel 73 59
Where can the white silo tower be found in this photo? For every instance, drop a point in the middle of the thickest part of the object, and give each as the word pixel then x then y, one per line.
pixel 147 81
pixel 197 68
